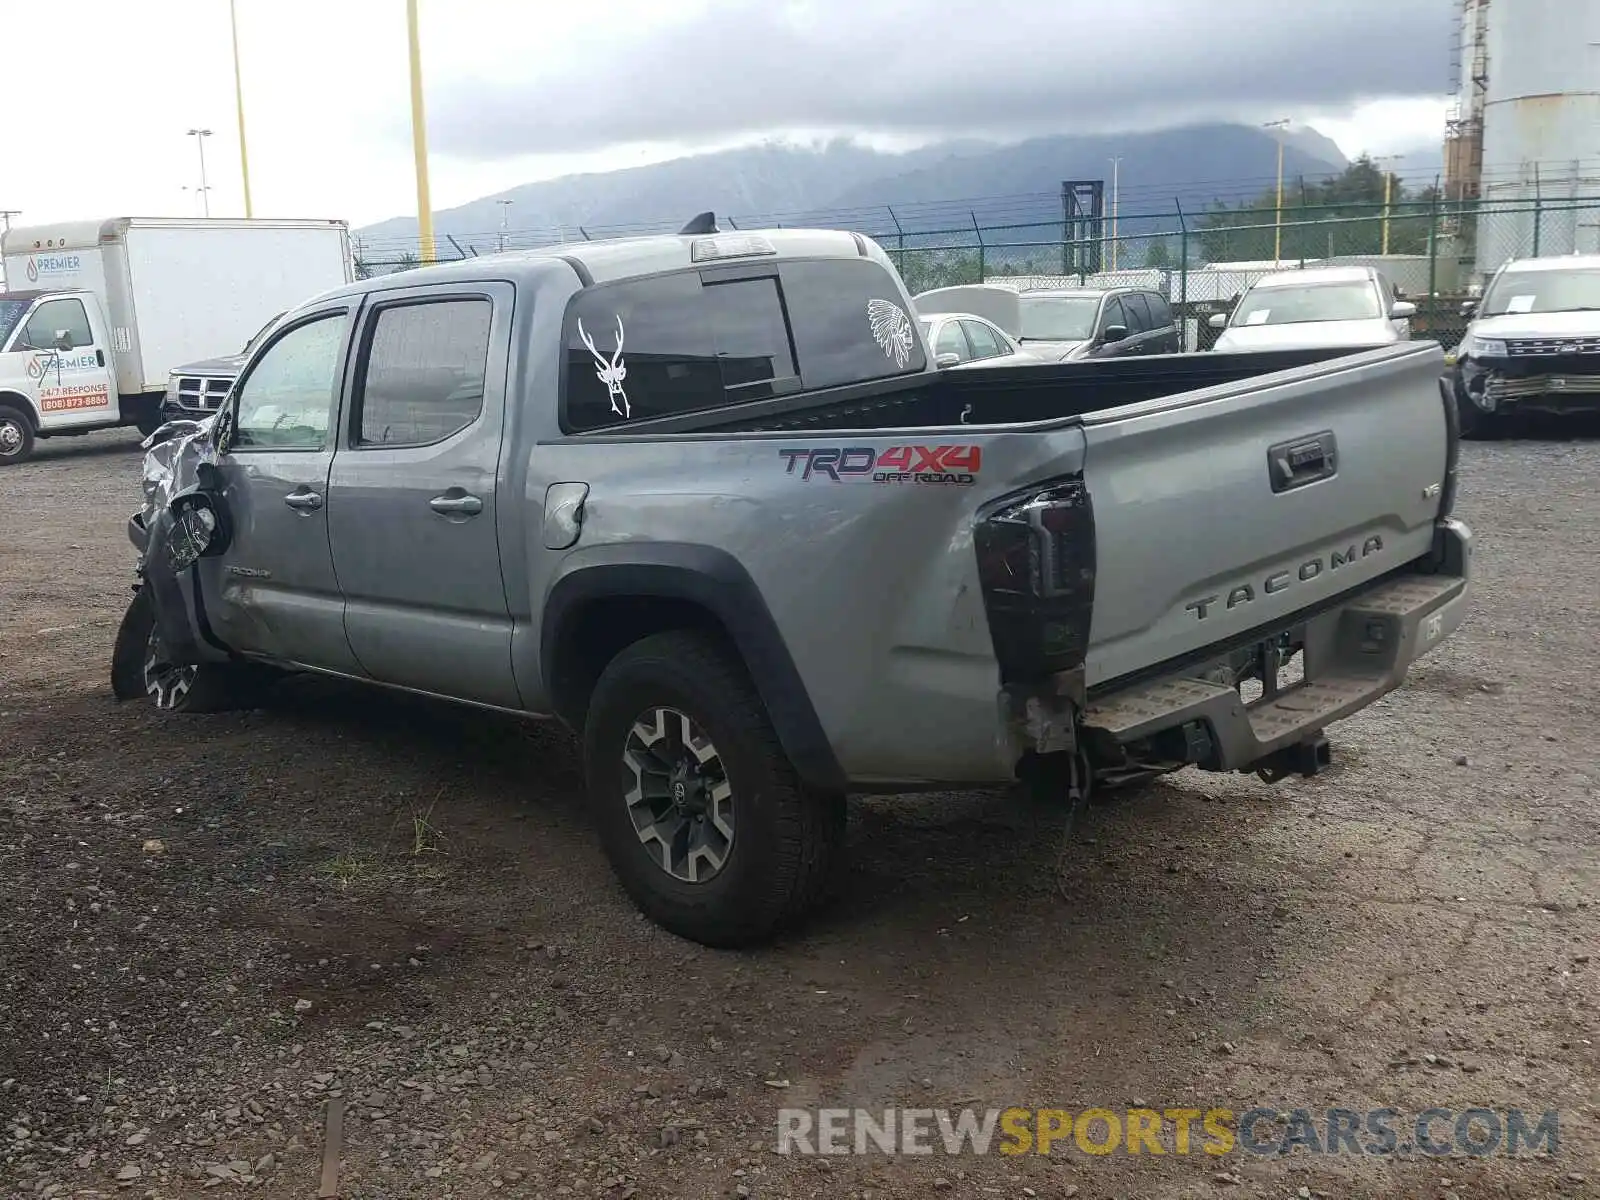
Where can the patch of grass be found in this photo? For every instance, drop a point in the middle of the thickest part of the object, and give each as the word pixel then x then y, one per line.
pixel 426 836
pixel 352 870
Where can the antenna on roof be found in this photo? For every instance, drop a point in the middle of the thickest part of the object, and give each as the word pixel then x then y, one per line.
pixel 706 222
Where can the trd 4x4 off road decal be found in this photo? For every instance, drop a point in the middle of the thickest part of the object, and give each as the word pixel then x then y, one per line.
pixel 948 465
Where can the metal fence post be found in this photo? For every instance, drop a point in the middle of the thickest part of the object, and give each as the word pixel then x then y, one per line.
pixel 899 241
pixel 1538 209
pixel 1433 246
pixel 981 248
pixel 1183 263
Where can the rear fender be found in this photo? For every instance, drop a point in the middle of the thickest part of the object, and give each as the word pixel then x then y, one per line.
pixel 711 581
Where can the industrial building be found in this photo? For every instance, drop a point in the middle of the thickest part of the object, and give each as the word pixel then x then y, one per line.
pixel 1524 135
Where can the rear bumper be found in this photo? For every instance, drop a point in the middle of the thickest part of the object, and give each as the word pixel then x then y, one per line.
pixel 1354 653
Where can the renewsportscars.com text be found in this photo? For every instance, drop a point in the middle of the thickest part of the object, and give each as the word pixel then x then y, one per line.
pixel 1438 1132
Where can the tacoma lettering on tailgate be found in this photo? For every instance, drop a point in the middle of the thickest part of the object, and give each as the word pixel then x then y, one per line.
pixel 1244 593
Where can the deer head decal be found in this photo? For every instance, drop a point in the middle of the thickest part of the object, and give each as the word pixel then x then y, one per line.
pixel 610 372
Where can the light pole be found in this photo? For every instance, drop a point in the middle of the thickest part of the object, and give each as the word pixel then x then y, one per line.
pixel 419 137
pixel 238 103
pixel 1116 181
pixel 505 212
pixel 200 136
pixel 1388 184
pixel 1277 228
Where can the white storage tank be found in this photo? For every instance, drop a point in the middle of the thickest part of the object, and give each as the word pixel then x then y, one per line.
pixel 1541 129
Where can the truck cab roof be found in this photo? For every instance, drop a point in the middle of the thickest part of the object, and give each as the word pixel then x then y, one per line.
pixel 631 257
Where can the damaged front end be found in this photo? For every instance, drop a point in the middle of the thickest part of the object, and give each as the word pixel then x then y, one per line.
pixel 1553 375
pixel 164 636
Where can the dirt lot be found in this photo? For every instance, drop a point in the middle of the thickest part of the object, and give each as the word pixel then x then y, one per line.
pixel 212 925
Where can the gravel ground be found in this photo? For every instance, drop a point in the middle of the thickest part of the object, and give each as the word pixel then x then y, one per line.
pixel 211 926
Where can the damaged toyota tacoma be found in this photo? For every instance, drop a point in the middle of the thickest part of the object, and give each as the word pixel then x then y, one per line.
pixel 707 499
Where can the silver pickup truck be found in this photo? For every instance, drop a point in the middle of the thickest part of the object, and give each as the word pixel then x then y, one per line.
pixel 707 499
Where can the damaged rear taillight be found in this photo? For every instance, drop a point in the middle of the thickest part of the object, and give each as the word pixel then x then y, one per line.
pixel 1036 564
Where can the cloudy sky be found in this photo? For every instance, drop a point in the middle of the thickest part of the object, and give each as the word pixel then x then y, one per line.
pixel 519 90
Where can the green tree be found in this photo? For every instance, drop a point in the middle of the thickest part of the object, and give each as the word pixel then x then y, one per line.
pixel 1337 216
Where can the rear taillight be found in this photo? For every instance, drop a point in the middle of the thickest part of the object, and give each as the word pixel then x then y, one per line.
pixel 1036 565
pixel 1452 424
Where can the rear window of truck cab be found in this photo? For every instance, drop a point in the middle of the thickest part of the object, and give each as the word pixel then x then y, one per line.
pixel 699 340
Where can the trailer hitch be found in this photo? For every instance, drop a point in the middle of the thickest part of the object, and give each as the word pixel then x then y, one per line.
pixel 1307 758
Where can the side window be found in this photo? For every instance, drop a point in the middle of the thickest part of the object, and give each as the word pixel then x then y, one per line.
pixel 285 401
pixel 423 375
pixel 1138 313
pixel 1160 311
pixel 1113 315
pixel 984 343
pixel 640 349
pixel 952 341
pixel 54 317
pixel 850 322
pixel 751 338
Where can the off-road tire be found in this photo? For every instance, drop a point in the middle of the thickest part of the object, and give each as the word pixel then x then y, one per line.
pixel 788 839
pixel 15 422
pixel 215 687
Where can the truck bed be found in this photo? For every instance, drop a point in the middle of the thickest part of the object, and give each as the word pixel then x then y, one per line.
pixel 1005 395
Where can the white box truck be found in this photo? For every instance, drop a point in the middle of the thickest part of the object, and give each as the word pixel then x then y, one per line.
pixel 96 314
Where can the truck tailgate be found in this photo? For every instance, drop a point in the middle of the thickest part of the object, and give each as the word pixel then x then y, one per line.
pixel 1225 511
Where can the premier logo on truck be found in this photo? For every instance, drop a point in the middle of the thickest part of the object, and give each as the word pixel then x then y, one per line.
pixel 1245 593
pixel 51 264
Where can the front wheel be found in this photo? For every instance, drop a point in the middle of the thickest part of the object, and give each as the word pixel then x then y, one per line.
pixel 701 814
pixel 140 668
pixel 16 436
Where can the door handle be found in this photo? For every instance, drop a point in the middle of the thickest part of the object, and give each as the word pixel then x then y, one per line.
pixel 459 502
pixel 304 501
pixel 100 358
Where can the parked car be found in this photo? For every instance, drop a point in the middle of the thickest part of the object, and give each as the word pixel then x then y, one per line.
pixel 1074 323
pixel 1066 324
pixel 963 339
pixel 1533 344
pixel 196 390
pixel 111 305
pixel 708 500
pixel 1317 306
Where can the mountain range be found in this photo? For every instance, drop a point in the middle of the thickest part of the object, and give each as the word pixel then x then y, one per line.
pixel 946 186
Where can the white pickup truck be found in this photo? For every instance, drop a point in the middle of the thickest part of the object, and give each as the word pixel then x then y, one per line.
pixel 96 314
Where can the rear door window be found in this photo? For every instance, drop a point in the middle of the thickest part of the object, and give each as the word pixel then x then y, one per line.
pixel 984 343
pixel 1138 313
pixel 849 321
pixel 1160 312
pixel 422 379
pixel 952 341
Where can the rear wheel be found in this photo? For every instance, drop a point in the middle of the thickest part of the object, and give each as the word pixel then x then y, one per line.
pixel 701 814
pixel 16 436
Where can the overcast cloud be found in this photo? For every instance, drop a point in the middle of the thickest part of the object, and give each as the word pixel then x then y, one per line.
pixel 732 68
pixel 520 91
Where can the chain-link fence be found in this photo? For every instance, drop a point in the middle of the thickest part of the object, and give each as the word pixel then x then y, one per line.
pixel 1435 252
